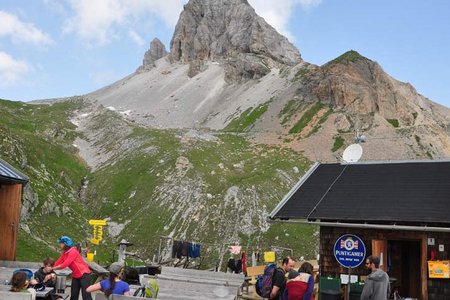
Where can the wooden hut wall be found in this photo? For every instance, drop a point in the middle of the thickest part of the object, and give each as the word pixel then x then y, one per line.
pixel 433 289
pixel 10 202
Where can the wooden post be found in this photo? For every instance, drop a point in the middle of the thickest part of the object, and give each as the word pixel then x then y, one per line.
pixel 424 266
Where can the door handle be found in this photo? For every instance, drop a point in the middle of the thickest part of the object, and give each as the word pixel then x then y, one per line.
pixel 13 226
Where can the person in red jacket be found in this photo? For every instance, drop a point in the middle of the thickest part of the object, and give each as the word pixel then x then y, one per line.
pixel 300 285
pixel 81 274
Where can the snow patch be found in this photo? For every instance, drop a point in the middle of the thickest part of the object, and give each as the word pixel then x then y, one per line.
pixel 125 113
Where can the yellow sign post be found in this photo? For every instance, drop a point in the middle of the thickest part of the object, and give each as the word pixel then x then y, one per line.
pixel 97 234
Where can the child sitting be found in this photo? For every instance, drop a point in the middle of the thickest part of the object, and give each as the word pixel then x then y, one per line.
pixel 47 277
pixel 45 274
pixel 19 283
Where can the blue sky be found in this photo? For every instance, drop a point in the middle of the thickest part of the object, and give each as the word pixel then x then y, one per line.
pixel 57 48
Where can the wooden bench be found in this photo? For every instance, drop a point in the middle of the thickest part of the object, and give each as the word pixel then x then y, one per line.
pixel 64 296
pixel 253 272
pixel 101 296
pixel 15 296
pixel 120 297
pixel 250 282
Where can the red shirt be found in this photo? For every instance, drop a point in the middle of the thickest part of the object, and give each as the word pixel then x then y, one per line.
pixel 73 260
pixel 301 287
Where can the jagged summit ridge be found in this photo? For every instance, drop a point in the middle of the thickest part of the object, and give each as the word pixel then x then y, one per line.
pixel 216 30
pixel 157 51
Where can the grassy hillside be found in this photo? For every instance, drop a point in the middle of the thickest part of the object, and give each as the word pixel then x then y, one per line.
pixel 215 188
pixel 37 139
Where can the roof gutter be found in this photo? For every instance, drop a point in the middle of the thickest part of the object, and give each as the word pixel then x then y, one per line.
pixel 366 225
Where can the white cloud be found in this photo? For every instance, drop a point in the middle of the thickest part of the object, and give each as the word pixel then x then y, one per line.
pixel 99 21
pixel 93 20
pixel 12 71
pixel 168 10
pixel 277 13
pixel 19 31
pixel 135 37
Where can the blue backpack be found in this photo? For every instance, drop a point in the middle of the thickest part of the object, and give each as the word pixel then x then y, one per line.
pixel 264 282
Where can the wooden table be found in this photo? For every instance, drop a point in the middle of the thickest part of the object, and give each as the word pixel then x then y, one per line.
pixel 44 293
pixel 4 287
pixel 41 294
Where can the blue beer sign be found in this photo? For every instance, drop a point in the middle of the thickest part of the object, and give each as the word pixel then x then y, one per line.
pixel 349 251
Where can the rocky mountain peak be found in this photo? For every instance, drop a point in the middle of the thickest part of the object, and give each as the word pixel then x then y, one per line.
pixel 157 51
pixel 227 29
pixel 358 85
pixel 351 56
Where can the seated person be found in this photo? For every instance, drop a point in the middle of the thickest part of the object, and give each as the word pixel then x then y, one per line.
pixel 19 283
pixel 47 277
pixel 45 274
pixel 112 285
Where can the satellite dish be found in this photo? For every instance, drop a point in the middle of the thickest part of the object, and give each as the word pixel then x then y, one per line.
pixel 353 153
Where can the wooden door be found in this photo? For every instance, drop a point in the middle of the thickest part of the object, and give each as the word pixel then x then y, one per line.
pixel 379 248
pixel 10 198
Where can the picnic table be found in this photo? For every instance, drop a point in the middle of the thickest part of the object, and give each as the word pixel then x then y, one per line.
pixel 44 293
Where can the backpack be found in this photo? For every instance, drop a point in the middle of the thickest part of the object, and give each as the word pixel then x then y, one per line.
pixel 264 282
pixel 149 290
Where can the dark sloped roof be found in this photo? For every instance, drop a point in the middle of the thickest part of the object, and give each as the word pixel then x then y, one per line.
pixel 417 192
pixel 10 174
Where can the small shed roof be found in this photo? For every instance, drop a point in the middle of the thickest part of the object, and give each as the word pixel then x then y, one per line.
pixel 403 192
pixel 10 174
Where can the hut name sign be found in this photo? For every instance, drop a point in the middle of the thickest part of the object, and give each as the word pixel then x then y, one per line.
pixel 349 251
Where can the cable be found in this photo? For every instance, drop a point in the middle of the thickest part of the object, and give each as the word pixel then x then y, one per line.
pixel 326 192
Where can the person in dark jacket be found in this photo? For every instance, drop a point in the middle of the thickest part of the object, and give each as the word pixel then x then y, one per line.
pixel 47 277
pixel 45 274
pixel 376 286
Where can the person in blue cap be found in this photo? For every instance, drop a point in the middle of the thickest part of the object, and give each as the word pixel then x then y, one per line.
pixel 81 274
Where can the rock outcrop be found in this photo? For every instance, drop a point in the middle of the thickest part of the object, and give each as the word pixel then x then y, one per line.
pixel 358 85
pixel 229 30
pixel 157 51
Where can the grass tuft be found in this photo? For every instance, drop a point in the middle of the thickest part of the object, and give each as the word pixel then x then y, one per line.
pixel 349 56
pixel 338 143
pixel 394 122
pixel 306 118
pixel 247 118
